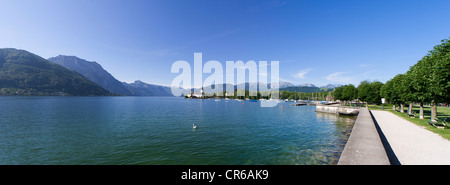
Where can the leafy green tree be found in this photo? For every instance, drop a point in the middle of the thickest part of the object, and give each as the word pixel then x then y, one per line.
pixel 427 81
pixel 430 78
pixel 349 92
pixel 419 80
pixel 338 93
pixel 388 91
pixel 403 89
pixel 439 87
pixel 369 92
pixel 364 91
pixel 376 92
pixel 346 93
pixel 400 90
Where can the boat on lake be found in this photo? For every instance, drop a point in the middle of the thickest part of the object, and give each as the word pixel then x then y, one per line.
pixel 298 104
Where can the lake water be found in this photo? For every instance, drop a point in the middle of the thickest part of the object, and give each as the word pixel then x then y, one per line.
pixel 158 130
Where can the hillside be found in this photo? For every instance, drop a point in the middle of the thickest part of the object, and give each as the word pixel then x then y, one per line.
pixel 92 71
pixel 139 88
pixel 24 73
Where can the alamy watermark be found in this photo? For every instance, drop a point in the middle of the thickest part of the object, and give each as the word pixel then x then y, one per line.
pixel 257 78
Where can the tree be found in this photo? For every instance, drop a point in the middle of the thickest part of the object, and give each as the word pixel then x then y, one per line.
pixel 404 90
pixel 419 76
pixel 375 92
pixel 387 92
pixel 346 93
pixel 427 81
pixel 392 91
pixel 364 91
pixel 430 77
pixel 400 90
pixel 349 92
pixel 369 92
pixel 338 93
pixel 439 87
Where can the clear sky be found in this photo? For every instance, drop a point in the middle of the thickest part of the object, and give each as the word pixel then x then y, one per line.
pixel 319 42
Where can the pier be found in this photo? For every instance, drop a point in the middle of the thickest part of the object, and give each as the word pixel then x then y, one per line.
pixel 337 109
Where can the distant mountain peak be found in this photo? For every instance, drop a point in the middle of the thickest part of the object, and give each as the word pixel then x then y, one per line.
pixel 140 88
pixel 281 84
pixel 307 85
pixel 331 86
pixel 72 59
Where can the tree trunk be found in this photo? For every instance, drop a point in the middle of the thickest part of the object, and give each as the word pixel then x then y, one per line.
pixel 421 111
pixel 410 108
pixel 433 110
pixel 402 108
pixel 393 107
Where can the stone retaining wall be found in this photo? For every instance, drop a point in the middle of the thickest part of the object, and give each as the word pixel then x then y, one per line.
pixel 335 109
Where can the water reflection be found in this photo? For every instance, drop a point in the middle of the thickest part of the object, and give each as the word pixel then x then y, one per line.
pixel 335 118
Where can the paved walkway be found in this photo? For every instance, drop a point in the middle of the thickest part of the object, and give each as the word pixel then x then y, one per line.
pixel 412 144
pixel 364 146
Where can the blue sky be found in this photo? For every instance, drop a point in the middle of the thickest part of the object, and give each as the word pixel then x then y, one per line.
pixel 317 42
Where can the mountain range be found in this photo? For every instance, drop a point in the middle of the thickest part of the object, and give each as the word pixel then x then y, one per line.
pixel 139 88
pixel 282 86
pixel 95 72
pixel 330 86
pixel 24 73
pixel 92 71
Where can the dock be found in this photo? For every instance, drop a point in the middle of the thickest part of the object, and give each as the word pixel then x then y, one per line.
pixel 337 109
pixel 298 104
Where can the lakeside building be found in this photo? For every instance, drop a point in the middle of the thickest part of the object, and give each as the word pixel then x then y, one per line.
pixel 200 94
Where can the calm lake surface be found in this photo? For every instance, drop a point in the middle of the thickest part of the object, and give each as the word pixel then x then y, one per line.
pixel 158 130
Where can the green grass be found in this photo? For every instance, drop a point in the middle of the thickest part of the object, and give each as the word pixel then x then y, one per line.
pixel 442 112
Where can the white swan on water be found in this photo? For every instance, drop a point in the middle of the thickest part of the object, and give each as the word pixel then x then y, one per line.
pixel 194 126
